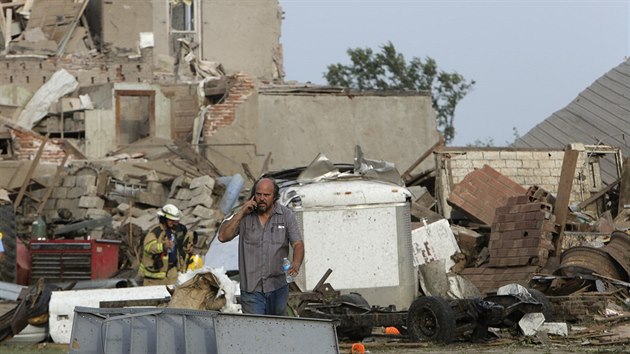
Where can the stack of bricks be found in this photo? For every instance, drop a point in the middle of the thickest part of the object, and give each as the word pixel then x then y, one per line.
pixel 482 191
pixel 523 231
pixel 521 241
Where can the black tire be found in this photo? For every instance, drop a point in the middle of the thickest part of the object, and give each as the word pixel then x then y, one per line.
pixel 544 301
pixel 8 267
pixel 431 318
pixel 356 333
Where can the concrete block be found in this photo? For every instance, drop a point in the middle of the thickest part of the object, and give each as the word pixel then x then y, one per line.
pixel 85 180
pixel 179 182
pixel 189 220
pixel 208 223
pixel 145 222
pixel 138 212
pixel 157 188
pixel 200 190
pixel 152 176
pixel 76 192
pixel 91 202
pixel 97 213
pixel 78 213
pixel 149 198
pixel 206 181
pixel 203 212
pixel 183 194
pixel 202 199
pixel 69 181
pixel 51 204
pixel 531 322
pixel 122 208
pixel 91 191
pixel 60 192
pixel 68 203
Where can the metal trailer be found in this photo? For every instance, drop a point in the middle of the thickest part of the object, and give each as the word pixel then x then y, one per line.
pixel 169 330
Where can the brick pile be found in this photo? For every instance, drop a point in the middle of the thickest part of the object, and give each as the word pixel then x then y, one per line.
pixel 521 241
pixel 522 233
pixel 482 191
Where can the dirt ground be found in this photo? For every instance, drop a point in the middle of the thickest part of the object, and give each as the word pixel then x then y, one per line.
pixel 611 336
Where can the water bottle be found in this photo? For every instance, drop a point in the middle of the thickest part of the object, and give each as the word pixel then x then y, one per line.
pixel 286 264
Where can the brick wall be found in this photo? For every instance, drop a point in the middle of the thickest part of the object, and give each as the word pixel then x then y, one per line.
pixel 223 114
pixel 26 145
pixel 527 167
pixel 33 73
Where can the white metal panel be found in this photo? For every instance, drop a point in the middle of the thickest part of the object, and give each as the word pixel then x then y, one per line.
pixel 358 243
pixel 434 242
pixel 62 303
pixel 345 192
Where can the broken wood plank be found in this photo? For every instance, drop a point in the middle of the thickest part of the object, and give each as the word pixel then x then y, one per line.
pixel 185 151
pixel 624 188
pixel 186 169
pixel 31 170
pixel 73 150
pixel 14 3
pixel 599 194
pixel 407 174
pixel 73 26
pixel 147 168
pixel 49 190
pixel 565 186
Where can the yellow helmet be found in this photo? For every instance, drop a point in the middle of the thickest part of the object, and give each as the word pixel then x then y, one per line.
pixel 195 262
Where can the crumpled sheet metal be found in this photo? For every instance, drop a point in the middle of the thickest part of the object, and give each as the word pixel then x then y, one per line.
pixel 321 168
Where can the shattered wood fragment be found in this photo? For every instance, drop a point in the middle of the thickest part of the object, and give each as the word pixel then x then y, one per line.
pixel 185 151
pixel 596 196
pixel 27 179
pixel 565 186
pixel 406 176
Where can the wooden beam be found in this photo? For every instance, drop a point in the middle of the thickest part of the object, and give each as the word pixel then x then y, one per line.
pixel 49 190
pixel 8 19
pixel 565 186
pixel 14 3
pixel 27 179
pixel 185 151
pixel 406 176
pixel 599 194
pixel 624 188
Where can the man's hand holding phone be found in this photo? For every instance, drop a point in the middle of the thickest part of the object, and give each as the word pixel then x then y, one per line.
pixel 250 206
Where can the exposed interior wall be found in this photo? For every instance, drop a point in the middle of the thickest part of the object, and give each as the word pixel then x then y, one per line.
pixel 285 131
pixel 184 109
pixel 244 36
pixel 231 129
pixel 295 128
pixel 527 167
pixel 31 74
pixel 123 20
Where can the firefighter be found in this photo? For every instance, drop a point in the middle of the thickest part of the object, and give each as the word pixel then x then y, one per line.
pixel 161 253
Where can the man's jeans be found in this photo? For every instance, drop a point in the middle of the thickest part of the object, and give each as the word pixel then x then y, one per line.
pixel 271 303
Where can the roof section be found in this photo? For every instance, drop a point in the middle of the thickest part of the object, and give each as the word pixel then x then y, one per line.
pixel 599 115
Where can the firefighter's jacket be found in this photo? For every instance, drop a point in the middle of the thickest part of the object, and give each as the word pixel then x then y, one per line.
pixel 155 254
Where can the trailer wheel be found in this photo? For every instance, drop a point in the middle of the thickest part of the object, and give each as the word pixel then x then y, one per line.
pixel 544 301
pixel 356 333
pixel 7 227
pixel 431 318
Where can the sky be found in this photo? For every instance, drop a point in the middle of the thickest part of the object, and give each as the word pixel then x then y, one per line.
pixel 529 58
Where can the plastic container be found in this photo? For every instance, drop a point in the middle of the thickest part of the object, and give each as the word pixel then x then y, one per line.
pixel 232 191
pixel 286 264
pixel 39 229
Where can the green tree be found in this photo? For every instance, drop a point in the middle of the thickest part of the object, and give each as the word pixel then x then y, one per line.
pixel 388 70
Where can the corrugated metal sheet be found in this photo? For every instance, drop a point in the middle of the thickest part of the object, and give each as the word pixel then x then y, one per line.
pixel 599 115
